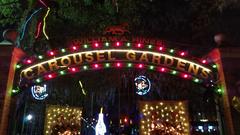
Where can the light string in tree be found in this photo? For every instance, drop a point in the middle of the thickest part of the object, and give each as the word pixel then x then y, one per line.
pixel 38 30
pixel 43 3
pixel 25 24
pixel 83 90
pixel 44 24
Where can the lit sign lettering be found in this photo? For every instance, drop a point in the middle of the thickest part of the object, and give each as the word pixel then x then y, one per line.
pixel 112 55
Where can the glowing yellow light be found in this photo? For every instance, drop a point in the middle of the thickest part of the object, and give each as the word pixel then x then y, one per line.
pixel 44 23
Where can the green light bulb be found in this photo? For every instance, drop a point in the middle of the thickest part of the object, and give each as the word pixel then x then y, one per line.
pixel 214 66
pixel 62 72
pixel 63 50
pixel 219 90
pixel 106 44
pixel 174 72
pixel 151 67
pixel 38 80
pixel 107 65
pixel 85 46
pixel 18 66
pixel 85 67
pixel 40 57
pixel 149 46
pixel 128 44
pixel 171 51
pixel 196 80
pixel 129 65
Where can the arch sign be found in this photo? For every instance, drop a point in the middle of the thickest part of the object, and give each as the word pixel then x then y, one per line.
pixel 112 52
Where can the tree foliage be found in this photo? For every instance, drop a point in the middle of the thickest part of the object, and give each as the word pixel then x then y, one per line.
pixel 71 18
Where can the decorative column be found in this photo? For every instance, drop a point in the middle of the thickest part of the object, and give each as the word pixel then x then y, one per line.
pixel 9 58
pixel 218 56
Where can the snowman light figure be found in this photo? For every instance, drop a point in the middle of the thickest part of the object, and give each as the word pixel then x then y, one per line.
pixel 100 128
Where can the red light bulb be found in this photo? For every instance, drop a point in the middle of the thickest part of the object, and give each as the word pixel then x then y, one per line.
pixel 160 48
pixel 204 61
pixel 117 44
pixel 140 65
pixel 73 69
pixel 50 76
pixel 125 120
pixel 139 45
pixel 185 76
pixel 51 53
pixel 96 65
pixel 74 48
pixel 96 45
pixel 29 61
pixel 162 69
pixel 118 64
pixel 182 53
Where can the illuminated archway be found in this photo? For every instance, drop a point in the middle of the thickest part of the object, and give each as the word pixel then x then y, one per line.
pixel 115 54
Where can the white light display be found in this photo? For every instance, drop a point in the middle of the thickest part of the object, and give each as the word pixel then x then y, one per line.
pixel 142 84
pixel 39 92
pixel 100 128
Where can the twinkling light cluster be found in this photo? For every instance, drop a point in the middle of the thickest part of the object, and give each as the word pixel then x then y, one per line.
pixel 62 120
pixel 168 117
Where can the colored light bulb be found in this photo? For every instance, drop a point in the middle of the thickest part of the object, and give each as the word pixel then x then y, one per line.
pixel 40 56
pixel 140 65
pixel 171 51
pixel 162 69
pixel 149 46
pixel 63 50
pixel 204 61
pixel 160 48
pixel 196 80
pixel 118 64
pixel 50 76
pixel 129 64
pixel 174 72
pixel 18 66
pixel 107 65
pixel 118 44
pixel 128 44
pixel 29 61
pixel 73 69
pixel 139 45
pixel 185 76
pixel 107 44
pixel 182 53
pixel 96 45
pixel 85 67
pixel 38 80
pixel 151 67
pixel 96 65
pixel 51 53
pixel 85 46
pixel 74 48
pixel 219 90
pixel 214 66
pixel 62 72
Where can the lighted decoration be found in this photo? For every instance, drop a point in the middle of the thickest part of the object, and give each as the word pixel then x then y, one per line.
pixel 168 117
pixel 100 128
pixel 38 29
pixel 43 3
pixel 39 92
pixel 83 90
pixel 44 23
pixel 142 84
pixel 25 24
pixel 61 120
